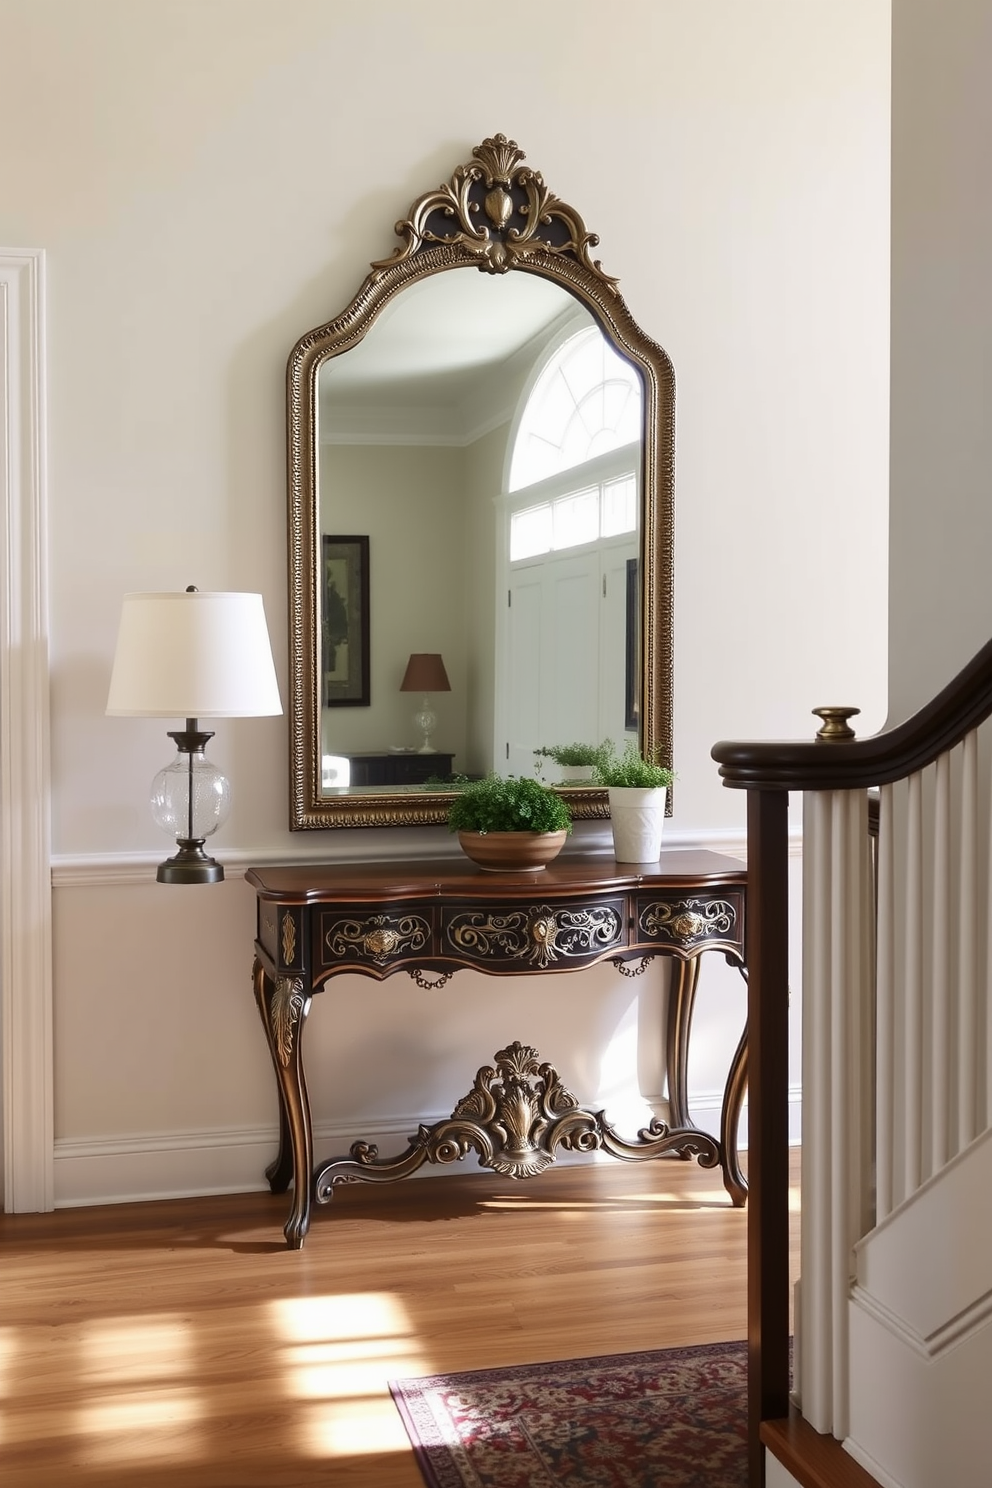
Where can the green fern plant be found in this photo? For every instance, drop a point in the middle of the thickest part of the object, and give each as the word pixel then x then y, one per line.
pixel 572 754
pixel 630 769
pixel 513 804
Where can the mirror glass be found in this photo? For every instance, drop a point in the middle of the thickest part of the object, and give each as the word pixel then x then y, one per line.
pixel 480 522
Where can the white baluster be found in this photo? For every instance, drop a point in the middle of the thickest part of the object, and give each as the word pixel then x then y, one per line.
pixel 837 987
pixel 940 1001
pixel 816 1335
pixel 988 983
pixel 885 1036
pixel 913 1029
pixel 968 938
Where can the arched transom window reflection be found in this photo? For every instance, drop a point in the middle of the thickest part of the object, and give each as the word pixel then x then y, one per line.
pixel 586 402
pixel 571 551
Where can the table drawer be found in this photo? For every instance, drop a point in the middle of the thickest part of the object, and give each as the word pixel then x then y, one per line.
pixel 688 923
pixel 373 938
pixel 533 937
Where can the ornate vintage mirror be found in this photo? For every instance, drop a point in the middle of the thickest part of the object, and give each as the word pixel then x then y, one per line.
pixel 481 474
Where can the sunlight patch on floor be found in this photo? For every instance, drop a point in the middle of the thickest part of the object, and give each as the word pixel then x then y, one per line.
pixel 135 1349
pixel 341 1351
pixel 8 1351
pixel 138 1423
pixel 575 1209
pixel 353 1429
pixel 141 1425
pixel 340 1316
pixel 324 1372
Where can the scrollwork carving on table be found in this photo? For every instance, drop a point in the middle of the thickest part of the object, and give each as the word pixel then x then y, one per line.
pixel 688 920
pixel 516 1117
pixel 379 937
pixel 430 984
pixel 287 1006
pixel 539 934
pixel 628 969
pixel 288 938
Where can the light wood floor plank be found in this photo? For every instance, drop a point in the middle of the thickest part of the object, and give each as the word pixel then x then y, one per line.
pixel 181 1343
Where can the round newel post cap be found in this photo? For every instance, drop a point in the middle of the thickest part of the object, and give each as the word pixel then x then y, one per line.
pixel 835 727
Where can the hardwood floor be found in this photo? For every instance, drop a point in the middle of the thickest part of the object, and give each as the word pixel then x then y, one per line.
pixel 180 1343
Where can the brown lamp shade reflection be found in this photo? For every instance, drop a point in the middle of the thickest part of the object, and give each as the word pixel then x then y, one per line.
pixel 425 673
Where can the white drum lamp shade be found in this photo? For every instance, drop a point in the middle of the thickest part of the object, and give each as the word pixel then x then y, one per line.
pixel 192 655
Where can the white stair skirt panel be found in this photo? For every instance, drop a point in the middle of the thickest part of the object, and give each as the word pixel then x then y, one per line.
pixel 921 1333
pixel 776 1476
pixel 25 876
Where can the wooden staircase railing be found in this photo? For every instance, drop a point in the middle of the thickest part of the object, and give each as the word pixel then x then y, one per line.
pixel 835 761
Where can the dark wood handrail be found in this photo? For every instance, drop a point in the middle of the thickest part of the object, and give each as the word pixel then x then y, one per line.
pixel 849 764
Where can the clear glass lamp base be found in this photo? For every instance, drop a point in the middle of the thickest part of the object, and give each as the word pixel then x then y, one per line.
pixel 190 799
pixel 425 720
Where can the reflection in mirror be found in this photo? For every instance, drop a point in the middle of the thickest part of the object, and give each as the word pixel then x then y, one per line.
pixel 568 544
pixel 500 445
pixel 466 386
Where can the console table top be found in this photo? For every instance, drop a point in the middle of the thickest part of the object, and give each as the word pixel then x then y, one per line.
pixel 309 883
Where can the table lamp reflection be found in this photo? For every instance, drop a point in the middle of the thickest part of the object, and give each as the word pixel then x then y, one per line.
pixel 425 674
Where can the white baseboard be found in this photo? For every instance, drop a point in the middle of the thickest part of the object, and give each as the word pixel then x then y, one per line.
pixel 865 1460
pixel 182 1165
pixel 176 1165
pixel 705 1111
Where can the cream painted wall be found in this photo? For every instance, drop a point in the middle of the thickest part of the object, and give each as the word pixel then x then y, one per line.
pixel 940 527
pixel 211 177
pixel 408 500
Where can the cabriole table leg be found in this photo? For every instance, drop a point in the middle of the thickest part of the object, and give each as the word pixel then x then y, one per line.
pixel 284 1006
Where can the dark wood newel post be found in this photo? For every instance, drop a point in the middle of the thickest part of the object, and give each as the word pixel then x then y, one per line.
pixel 768 1117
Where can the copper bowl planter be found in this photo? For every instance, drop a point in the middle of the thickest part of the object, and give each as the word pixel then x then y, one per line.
pixel 512 852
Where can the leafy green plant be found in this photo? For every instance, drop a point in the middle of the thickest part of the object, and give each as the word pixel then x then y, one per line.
pixel 515 804
pixel 572 754
pixel 445 782
pixel 630 769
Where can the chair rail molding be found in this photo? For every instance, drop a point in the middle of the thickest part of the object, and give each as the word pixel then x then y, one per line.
pixel 74 871
pixel 25 799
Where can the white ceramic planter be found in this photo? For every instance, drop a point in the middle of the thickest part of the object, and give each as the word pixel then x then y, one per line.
pixel 575 774
pixel 638 817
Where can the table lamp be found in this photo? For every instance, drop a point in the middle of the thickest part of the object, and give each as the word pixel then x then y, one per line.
pixel 192 655
pixel 425 674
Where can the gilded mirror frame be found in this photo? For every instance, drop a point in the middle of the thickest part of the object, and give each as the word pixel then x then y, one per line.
pixel 495 215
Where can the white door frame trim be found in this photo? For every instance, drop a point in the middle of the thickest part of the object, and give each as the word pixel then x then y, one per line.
pixel 25 786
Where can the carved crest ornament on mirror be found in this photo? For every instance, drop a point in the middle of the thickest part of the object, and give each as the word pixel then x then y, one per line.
pixel 481 482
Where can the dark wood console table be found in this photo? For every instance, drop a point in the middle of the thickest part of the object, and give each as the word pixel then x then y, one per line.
pixel 430 919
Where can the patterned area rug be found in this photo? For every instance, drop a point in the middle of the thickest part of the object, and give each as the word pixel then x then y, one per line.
pixel 670 1418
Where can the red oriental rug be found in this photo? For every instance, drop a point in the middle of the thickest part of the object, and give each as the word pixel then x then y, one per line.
pixel 670 1418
